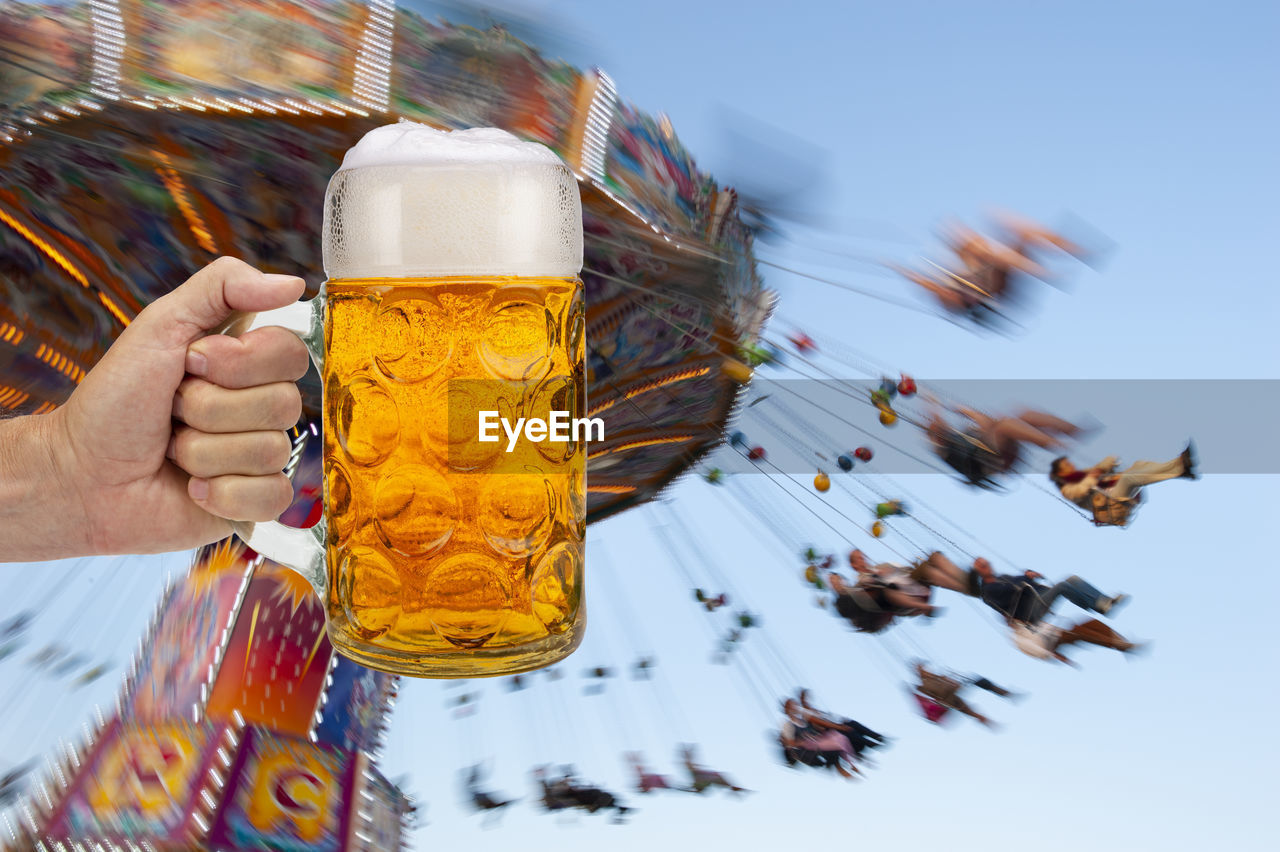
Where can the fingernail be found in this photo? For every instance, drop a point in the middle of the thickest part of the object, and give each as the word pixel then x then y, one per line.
pixel 197 363
pixel 198 489
pixel 277 278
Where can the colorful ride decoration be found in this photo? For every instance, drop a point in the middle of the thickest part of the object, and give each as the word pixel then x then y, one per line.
pixel 816 566
pixel 889 508
pixel 239 729
pixel 286 794
pixel 354 709
pixel 141 139
pixel 170 678
pixel 278 639
pixel 151 782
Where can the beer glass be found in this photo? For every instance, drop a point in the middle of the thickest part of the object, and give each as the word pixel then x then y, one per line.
pixel 453 291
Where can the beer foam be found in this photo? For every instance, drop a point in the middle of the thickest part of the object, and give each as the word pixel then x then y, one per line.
pixel 411 143
pixel 412 201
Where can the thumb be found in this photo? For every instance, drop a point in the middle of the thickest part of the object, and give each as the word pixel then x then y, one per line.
pixel 212 295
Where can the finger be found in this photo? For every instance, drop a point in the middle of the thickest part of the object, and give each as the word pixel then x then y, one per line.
pixel 248 453
pixel 207 298
pixel 260 357
pixel 242 498
pixel 206 407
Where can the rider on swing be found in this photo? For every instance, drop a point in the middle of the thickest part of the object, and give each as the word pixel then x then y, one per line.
pixel 992 445
pixel 984 279
pixel 1110 496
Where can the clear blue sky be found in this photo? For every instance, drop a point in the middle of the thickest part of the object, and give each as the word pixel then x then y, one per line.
pixel 1153 122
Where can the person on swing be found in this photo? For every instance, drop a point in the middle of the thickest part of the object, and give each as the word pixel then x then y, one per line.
pixel 990 446
pixel 987 272
pixel 945 691
pixel 1079 485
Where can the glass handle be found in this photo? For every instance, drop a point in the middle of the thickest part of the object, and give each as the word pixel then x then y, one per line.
pixel 305 319
pixel 301 550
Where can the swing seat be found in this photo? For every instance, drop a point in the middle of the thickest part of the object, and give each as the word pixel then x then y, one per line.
pixel 968 455
pixel 988 315
pixel 932 710
pixel 1109 511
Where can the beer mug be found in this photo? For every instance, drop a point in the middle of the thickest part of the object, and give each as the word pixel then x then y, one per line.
pixel 452 305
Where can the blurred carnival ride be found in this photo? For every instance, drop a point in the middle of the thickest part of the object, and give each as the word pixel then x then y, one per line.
pixel 140 140
pixel 238 728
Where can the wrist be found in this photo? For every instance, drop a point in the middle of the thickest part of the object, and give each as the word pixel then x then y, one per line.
pixel 36 492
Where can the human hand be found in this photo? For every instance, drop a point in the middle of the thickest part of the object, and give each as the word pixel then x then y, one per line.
pixel 175 431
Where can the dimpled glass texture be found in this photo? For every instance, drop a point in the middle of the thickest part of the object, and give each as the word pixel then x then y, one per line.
pixel 447 556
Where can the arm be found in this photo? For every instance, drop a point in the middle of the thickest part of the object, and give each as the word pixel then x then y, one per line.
pixel 34 494
pixel 982 421
pixel 1013 258
pixel 820 721
pixel 1077 491
pixel 1031 233
pixel 908 603
pixel 937 430
pixel 173 432
pixel 883 571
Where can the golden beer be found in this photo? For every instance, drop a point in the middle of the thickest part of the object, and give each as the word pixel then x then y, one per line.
pixel 437 542
pixel 453 291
